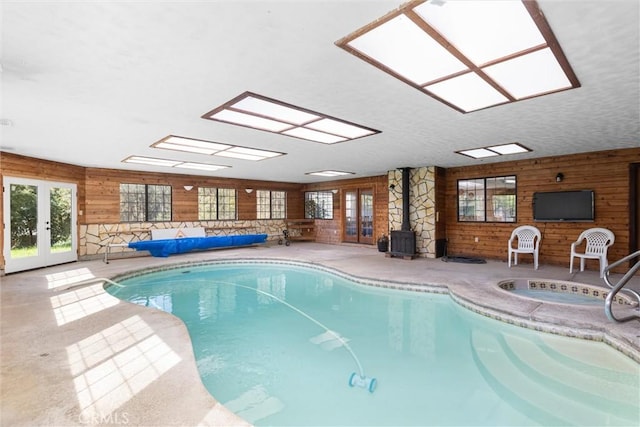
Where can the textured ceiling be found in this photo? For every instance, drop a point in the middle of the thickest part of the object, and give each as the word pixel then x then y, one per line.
pixel 90 83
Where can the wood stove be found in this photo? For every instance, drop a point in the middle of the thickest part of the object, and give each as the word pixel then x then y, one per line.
pixel 403 241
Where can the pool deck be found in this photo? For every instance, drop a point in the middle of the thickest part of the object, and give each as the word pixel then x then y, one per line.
pixel 71 354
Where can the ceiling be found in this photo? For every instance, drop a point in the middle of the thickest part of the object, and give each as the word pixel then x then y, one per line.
pixel 91 83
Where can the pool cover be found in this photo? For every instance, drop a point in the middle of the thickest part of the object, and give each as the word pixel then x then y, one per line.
pixel 166 247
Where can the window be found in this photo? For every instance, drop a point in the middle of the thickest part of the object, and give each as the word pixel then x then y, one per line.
pixel 487 199
pixel 216 203
pixel 318 204
pixel 141 202
pixel 271 204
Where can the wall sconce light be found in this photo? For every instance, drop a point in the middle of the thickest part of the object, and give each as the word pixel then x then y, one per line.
pixel 249 190
pixel 334 191
pixel 188 187
pixel 559 177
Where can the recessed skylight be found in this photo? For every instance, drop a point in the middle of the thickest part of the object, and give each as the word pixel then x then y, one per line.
pixel 469 55
pixel 330 173
pixel 494 150
pixel 172 163
pixel 200 146
pixel 262 113
pixel 150 161
pixel 179 143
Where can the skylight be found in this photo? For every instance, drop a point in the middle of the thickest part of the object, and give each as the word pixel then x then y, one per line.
pixel 467 54
pixel 172 163
pixel 200 146
pixel 262 113
pixel 330 173
pixel 495 150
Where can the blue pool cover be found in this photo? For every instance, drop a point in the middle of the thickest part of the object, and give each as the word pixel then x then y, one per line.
pixel 166 247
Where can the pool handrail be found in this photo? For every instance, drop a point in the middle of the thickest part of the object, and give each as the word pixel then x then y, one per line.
pixel 619 287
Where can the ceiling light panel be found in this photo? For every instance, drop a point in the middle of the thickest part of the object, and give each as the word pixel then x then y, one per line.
pixel 200 146
pixel 495 150
pixel 200 166
pixel 172 163
pixel 468 54
pixel 262 113
pixel 150 161
pixel 179 143
pixel 330 173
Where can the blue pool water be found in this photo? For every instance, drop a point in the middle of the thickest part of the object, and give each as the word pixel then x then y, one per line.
pixel 560 297
pixel 261 349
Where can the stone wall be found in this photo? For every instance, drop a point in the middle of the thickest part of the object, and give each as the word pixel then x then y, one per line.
pixel 94 238
pixel 422 207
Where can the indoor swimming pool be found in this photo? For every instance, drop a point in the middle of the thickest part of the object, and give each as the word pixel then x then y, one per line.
pixel 282 343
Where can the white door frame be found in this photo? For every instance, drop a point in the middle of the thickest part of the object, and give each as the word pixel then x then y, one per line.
pixel 45 257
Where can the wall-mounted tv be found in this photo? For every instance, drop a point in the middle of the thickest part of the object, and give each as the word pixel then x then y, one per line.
pixel 564 206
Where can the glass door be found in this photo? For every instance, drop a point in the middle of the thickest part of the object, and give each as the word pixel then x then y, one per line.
pixel 358 216
pixel 40 223
pixel 366 217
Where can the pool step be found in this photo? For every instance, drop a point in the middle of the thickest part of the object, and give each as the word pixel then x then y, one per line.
pixel 536 398
pixel 600 384
pixel 255 404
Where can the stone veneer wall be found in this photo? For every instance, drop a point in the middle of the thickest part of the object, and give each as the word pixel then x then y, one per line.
pixel 422 207
pixel 94 238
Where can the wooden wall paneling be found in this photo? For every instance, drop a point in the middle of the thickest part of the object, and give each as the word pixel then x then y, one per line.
pixel 330 231
pixel 604 172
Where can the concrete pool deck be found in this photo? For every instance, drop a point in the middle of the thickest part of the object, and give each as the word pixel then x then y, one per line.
pixel 71 354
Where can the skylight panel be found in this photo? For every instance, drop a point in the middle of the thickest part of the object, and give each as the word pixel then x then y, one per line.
pixel 248 153
pixel 395 45
pixel 200 146
pixel 340 128
pixel 275 111
pixel 495 150
pixel 478 153
pixel 150 161
pixel 250 120
pixel 178 143
pixel 172 163
pixel 262 113
pixel 313 135
pixel 200 166
pixel 483 30
pixel 514 148
pixel 330 173
pixel 468 54
pixel 530 75
pixel 468 92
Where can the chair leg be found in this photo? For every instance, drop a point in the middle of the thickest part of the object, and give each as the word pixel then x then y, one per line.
pixel 582 260
pixel 535 260
pixel 571 264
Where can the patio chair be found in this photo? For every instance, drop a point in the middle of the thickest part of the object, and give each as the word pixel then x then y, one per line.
pixel 598 241
pixel 528 238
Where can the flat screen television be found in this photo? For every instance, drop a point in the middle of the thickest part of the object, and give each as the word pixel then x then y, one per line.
pixel 564 206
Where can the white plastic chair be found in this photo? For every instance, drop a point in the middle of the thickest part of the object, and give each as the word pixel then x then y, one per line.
pixel 528 243
pixel 598 242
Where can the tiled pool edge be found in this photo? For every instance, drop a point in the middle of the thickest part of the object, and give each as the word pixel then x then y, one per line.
pixel 621 344
pixel 562 286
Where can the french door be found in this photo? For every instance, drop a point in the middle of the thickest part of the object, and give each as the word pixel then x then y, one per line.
pixel 39 223
pixel 358 220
